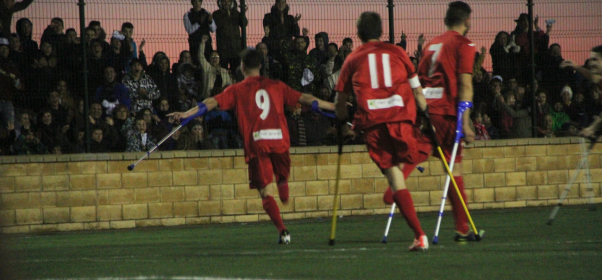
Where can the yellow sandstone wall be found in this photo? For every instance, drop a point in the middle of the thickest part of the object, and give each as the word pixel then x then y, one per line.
pixel 95 191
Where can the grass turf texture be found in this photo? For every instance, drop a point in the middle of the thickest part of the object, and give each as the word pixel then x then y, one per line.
pixel 517 245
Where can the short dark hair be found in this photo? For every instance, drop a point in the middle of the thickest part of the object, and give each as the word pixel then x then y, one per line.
pixel 369 26
pixel 57 19
pixel 134 61
pixel 597 50
pixel 457 12
pixel 127 25
pixel 333 44
pixel 252 59
pixel 94 23
pixel 347 40
pixel 555 44
pixel 71 30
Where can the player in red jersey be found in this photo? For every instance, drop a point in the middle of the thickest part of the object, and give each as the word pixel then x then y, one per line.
pixel 387 90
pixel 259 104
pixel 445 72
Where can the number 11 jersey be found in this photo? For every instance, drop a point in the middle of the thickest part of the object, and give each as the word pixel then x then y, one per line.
pixel 259 104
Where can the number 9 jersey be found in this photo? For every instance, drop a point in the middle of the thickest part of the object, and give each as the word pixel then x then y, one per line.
pixel 379 74
pixel 259 104
pixel 444 58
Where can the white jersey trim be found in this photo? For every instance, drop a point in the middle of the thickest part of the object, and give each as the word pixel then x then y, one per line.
pixel 414 82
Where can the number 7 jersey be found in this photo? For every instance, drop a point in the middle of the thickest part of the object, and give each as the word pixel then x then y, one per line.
pixel 444 58
pixel 259 104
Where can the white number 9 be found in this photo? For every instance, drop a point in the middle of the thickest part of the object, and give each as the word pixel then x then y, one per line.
pixel 263 102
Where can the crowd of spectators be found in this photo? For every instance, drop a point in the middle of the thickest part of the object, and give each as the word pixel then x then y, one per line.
pixel 42 88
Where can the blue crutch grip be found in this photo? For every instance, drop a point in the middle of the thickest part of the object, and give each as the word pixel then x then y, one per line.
pixel 314 108
pixel 462 107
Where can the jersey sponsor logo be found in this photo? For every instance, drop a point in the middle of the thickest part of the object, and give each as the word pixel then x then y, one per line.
pixel 432 93
pixel 267 134
pixel 393 101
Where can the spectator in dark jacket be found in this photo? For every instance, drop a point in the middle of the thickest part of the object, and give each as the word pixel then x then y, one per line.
pixel 229 44
pixel 279 26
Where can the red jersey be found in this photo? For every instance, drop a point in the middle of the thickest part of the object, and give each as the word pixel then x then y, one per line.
pixel 259 104
pixel 445 57
pixel 378 74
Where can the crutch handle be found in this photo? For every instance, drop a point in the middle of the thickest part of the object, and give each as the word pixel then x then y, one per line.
pixel 462 107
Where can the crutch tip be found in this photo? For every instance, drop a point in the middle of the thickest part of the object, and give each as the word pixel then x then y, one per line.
pixel 331 242
pixel 384 241
pixel 130 167
pixel 549 223
pixel 435 240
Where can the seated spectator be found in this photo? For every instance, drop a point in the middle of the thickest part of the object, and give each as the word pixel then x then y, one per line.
pixel 67 98
pixel 60 114
pixel 319 53
pixel 54 35
pixel 480 130
pixel 566 95
pixel 188 86
pixel 97 118
pixel 491 130
pixel 521 120
pixel 222 127
pixel 213 74
pixel 99 144
pixel 30 144
pixel 99 35
pixel 559 116
pixel 166 82
pixel 141 87
pixel 71 55
pixel 164 124
pixel 138 139
pixel 10 84
pixel 569 129
pixel 584 110
pixel 295 61
pixel 318 129
pixel 24 119
pixel 46 70
pixel 185 57
pixel 346 48
pixel 543 108
pixel 129 45
pixel 7 139
pixel 50 133
pixel 505 117
pixel 17 55
pixel 112 93
pixel 196 139
pixel 115 57
pixel 96 66
pixel 546 130
pixel 270 68
pixel 120 123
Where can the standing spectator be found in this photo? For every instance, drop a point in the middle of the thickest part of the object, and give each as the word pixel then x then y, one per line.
pixel 129 45
pixel 279 27
pixel 504 53
pixel 141 87
pixel 553 77
pixel 54 34
pixel 332 62
pixel 115 55
pixel 491 129
pixel 184 57
pixel 520 126
pixel 566 95
pixel 346 48
pixel 320 53
pixel 7 9
pixel 112 92
pixel 10 84
pixel 229 43
pixel 99 35
pixel 97 62
pixel 188 86
pixel 24 31
pixel 520 36
pixel 198 22
pixel 17 55
pixel 295 64
pixel 213 74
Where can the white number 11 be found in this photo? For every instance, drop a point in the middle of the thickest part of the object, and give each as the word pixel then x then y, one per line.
pixel 386 70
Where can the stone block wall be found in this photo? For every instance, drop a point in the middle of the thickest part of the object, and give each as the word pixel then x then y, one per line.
pixel 96 191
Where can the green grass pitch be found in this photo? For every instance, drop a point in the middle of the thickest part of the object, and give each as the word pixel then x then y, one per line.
pixel 517 245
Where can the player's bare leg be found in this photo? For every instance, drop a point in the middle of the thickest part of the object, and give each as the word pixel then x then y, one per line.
pixel 271 208
pixel 403 200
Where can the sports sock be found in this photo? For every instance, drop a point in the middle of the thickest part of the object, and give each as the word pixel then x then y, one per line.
pixel 404 202
pixel 406 170
pixel 283 191
pixel 460 217
pixel 271 208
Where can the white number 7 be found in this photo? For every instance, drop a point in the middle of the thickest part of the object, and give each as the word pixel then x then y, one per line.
pixel 262 99
pixel 437 49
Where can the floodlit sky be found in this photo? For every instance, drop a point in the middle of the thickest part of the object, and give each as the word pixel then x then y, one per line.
pixel 578 23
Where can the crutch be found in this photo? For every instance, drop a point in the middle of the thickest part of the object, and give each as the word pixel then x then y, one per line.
pixel 582 163
pixel 462 107
pixel 183 123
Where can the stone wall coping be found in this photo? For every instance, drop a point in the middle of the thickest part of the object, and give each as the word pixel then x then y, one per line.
pixel 239 152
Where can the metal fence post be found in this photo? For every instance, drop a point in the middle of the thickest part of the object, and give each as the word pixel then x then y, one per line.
pixel 82 26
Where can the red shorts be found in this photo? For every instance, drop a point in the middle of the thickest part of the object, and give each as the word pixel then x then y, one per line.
pixel 445 128
pixel 263 167
pixel 390 144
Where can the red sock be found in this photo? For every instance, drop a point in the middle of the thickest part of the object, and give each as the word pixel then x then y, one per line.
pixel 283 191
pixel 404 202
pixel 270 207
pixel 407 170
pixel 460 217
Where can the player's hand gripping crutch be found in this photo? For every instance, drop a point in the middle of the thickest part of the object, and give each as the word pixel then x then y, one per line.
pixel 462 107
pixel 183 123
pixel 466 105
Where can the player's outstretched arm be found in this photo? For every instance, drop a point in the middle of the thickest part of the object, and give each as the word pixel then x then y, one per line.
pixel 594 78
pixel 307 99
pixel 209 104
